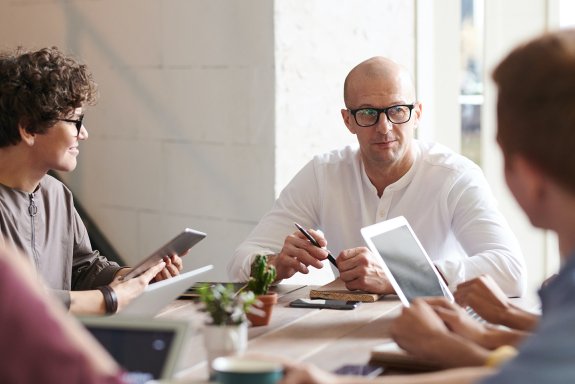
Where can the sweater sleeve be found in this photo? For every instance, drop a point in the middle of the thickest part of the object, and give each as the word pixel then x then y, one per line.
pixel 90 269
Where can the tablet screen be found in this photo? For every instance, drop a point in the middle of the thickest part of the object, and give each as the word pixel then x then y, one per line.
pixel 179 245
pixel 407 263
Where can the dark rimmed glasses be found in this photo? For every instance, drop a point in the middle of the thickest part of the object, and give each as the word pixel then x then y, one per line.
pixel 396 114
pixel 78 123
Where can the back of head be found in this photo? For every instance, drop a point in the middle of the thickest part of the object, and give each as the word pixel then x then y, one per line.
pixel 536 105
pixel 36 88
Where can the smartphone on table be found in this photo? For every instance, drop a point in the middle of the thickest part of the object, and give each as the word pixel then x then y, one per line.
pixel 359 370
pixel 320 303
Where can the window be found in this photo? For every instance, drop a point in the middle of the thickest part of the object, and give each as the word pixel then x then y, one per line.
pixel 566 13
pixel 471 89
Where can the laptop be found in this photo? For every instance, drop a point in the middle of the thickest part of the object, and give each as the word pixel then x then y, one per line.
pixel 405 262
pixel 148 349
pixel 157 295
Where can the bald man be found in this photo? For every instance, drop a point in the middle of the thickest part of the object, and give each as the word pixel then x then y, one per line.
pixel 443 195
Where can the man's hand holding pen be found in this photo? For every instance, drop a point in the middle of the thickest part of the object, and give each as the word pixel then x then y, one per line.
pixel 316 243
pixel 356 266
pixel 298 254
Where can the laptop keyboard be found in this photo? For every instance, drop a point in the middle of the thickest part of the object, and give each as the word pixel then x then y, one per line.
pixel 474 315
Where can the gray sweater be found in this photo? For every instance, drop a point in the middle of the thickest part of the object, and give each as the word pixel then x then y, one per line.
pixel 46 226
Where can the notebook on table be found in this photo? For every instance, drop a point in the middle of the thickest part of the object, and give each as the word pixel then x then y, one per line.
pixel 157 295
pixel 336 290
pixel 147 349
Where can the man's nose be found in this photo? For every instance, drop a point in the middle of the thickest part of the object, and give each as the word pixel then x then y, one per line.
pixel 383 125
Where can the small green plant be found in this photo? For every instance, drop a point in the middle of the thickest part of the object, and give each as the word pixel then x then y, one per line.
pixel 262 275
pixel 224 305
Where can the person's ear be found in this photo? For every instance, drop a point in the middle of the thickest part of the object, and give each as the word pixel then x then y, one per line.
pixel 417 111
pixel 530 181
pixel 27 137
pixel 347 116
pixel 534 178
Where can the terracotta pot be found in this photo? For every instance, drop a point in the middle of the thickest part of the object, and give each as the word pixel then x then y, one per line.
pixel 267 304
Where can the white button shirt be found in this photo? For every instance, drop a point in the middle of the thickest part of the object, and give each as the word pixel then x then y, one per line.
pixel 444 197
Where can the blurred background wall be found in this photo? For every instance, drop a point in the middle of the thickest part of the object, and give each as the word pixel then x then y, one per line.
pixel 209 107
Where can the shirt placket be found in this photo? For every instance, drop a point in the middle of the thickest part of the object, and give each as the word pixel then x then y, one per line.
pixel 384 206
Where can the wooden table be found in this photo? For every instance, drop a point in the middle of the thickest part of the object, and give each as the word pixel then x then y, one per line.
pixel 325 337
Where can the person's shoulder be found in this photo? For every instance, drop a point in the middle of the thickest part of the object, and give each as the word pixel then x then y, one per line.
pixel 51 185
pixel 342 163
pixel 49 181
pixel 343 155
pixel 438 155
pixel 559 288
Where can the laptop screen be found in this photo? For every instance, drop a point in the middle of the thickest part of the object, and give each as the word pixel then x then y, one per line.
pixel 146 348
pixel 140 352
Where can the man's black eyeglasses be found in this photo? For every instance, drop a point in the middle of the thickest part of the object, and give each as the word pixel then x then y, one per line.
pixel 77 123
pixel 396 114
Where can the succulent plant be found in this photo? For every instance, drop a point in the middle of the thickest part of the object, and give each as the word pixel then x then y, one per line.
pixel 224 305
pixel 262 275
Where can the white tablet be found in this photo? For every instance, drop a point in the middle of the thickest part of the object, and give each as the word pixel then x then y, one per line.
pixel 406 264
pixel 179 245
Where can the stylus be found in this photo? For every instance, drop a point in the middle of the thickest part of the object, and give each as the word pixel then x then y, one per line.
pixel 314 242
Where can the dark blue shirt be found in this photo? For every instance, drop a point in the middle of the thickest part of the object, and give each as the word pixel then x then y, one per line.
pixel 548 356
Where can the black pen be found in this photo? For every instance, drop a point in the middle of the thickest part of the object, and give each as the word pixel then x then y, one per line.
pixel 314 242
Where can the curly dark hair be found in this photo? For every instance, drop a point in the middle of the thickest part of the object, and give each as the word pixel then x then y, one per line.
pixel 37 88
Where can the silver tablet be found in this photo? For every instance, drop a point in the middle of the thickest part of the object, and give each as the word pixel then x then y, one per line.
pixel 179 245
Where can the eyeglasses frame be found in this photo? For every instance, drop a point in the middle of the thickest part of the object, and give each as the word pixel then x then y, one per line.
pixel 78 123
pixel 380 111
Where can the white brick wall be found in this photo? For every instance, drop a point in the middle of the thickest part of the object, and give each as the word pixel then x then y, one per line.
pixel 317 43
pixel 207 107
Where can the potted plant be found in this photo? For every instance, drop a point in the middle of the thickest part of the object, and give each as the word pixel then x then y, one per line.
pixel 262 276
pixel 225 333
